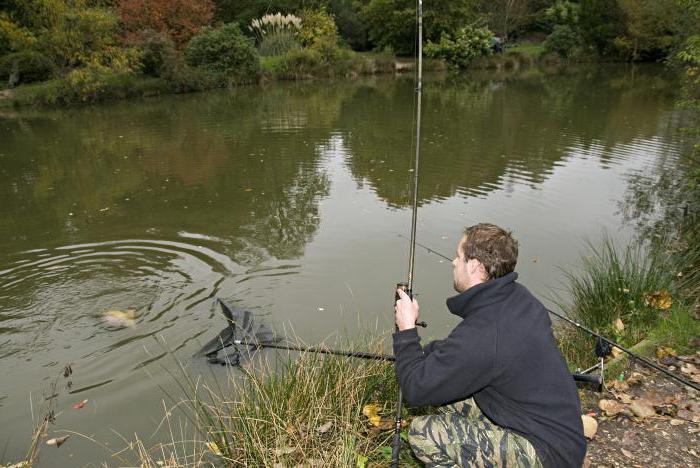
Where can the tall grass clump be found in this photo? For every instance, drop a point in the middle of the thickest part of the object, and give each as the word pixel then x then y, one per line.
pixel 618 293
pixel 276 34
pixel 306 410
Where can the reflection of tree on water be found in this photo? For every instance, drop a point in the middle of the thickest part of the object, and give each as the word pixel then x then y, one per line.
pixel 202 164
pixel 485 131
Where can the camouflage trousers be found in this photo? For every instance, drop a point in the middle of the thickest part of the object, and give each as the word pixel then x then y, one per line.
pixel 460 435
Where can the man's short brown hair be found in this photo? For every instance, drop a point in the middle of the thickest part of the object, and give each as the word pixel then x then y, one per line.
pixel 493 246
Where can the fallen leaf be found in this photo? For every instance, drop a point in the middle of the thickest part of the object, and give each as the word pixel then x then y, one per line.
pixel 642 408
pixel 635 379
pixel 58 441
pixel 624 398
pixel 690 369
pixel 619 385
pixel 80 404
pixel 677 422
pixel 615 352
pixel 627 453
pixel 284 451
pixel 610 407
pixel 370 410
pixel 590 426
pixel 618 325
pixel 664 352
pixel 362 461
pixel 247 189
pixel 213 448
pixel 119 318
pixel 325 428
pixel 659 300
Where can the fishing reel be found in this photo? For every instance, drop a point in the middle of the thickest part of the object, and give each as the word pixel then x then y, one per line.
pixel 403 286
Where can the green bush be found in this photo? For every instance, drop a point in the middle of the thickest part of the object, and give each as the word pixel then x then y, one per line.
pixel 468 44
pixel 25 67
pixel 158 55
pixel 317 26
pixel 225 50
pixel 300 63
pixel 563 41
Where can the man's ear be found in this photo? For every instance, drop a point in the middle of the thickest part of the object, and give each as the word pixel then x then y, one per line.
pixel 477 269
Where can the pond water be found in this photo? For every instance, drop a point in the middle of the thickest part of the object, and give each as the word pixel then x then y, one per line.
pixel 289 200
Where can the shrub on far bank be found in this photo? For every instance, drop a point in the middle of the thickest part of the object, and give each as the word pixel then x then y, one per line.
pixel 25 67
pixel 468 43
pixel 563 41
pixel 157 52
pixel 224 50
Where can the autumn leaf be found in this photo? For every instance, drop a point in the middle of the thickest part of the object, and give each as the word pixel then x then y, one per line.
pixel 80 404
pixel 642 408
pixel 618 325
pixel 590 426
pixel 610 407
pixel 665 351
pixel 659 300
pixel 370 410
pixel 58 441
pixel 325 428
pixel 213 448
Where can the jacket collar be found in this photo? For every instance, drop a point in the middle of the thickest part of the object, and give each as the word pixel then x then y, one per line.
pixel 482 295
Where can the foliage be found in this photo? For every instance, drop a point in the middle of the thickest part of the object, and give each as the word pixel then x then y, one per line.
pixel 391 23
pixel 350 25
pixel 564 13
pixel 179 19
pixel 25 67
pixel 72 32
pixel 508 17
pixel 317 26
pixel 600 22
pixel 650 28
pixel 14 37
pixel 224 50
pixel 563 41
pixel 157 53
pixel 468 43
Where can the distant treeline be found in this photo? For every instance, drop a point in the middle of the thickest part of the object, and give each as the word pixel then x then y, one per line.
pixel 84 48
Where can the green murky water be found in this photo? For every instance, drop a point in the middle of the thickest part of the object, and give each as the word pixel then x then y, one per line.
pixel 289 200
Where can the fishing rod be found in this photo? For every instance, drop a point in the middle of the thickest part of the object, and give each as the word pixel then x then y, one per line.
pixel 407 287
pixel 610 342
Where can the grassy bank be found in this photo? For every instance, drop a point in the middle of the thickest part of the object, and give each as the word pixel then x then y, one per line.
pixel 298 65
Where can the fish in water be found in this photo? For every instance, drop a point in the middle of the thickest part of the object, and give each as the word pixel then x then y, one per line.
pixel 120 318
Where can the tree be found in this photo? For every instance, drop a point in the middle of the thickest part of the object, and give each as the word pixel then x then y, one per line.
pixel 392 23
pixel 650 28
pixel 508 16
pixel 179 19
pixel 600 22
pixel 71 32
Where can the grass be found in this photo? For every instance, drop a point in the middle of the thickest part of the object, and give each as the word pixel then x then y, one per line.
pixel 530 48
pixel 306 410
pixel 640 286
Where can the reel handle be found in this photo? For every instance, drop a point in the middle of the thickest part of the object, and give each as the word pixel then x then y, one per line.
pixel 403 286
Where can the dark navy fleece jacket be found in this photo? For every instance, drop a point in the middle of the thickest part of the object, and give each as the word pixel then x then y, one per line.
pixel 503 354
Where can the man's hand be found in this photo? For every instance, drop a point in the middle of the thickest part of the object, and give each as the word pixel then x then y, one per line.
pixel 405 311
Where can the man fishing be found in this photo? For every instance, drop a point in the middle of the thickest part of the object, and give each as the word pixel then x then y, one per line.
pixel 504 394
